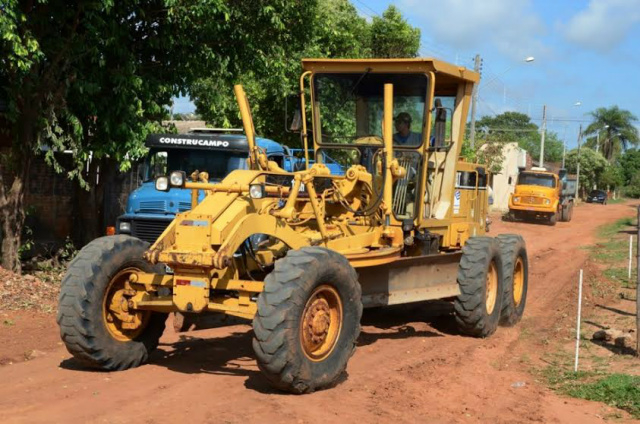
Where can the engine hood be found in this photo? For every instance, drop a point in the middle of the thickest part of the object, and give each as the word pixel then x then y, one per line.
pixel 532 190
pixel 146 199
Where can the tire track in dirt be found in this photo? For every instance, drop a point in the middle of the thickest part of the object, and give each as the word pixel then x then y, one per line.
pixel 411 365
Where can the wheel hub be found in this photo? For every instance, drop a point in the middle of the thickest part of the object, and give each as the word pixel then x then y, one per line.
pixel 321 323
pixel 123 323
pixel 319 320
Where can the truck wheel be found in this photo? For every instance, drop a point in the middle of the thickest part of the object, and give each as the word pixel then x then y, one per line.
pixel 95 324
pixel 477 308
pixel 515 273
pixel 567 211
pixel 553 218
pixel 308 320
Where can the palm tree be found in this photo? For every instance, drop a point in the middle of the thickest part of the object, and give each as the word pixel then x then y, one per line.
pixel 616 131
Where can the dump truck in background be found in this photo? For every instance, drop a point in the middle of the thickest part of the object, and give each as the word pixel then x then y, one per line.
pixel 543 195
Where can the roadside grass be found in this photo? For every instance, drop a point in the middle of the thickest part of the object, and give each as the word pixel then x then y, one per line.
pixel 612 248
pixel 616 201
pixel 618 390
pixel 603 378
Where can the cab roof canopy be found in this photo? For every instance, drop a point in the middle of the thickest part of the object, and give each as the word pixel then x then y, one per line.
pixel 447 74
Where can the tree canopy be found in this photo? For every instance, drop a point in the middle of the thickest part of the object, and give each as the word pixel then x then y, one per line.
pixel 592 166
pixel 97 77
pixel 513 127
pixel 614 129
pixel 336 31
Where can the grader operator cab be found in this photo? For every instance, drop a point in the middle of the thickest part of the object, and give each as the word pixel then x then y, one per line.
pixel 405 223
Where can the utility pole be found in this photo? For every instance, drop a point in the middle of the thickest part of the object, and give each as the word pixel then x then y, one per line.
pixel 578 165
pixel 544 130
pixel 476 67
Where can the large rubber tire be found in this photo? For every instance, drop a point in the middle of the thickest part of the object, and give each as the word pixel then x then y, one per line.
pixel 80 309
pixel 473 314
pixel 553 219
pixel 278 339
pixel 515 269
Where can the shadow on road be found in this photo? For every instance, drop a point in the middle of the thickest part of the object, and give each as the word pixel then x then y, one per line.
pixel 232 355
pixel 617 311
pixel 615 349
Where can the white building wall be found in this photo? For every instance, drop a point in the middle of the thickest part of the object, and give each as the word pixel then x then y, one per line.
pixel 504 183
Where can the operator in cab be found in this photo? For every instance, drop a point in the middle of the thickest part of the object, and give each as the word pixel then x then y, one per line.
pixel 404 135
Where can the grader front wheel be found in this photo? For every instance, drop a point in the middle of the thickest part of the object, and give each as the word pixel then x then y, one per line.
pixel 96 324
pixel 308 320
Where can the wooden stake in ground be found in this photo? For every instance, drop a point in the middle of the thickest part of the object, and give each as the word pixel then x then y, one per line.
pixel 575 368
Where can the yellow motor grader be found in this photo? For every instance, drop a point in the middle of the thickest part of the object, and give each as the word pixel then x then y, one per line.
pixel 302 253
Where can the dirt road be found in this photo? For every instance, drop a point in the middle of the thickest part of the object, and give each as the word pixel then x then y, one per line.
pixel 411 365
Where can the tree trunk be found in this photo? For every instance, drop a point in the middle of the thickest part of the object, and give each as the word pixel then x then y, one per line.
pixel 12 213
pixel 12 216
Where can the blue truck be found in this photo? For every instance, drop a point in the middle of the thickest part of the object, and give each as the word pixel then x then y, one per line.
pixel 218 152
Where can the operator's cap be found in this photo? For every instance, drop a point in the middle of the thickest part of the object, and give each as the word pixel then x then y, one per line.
pixel 403 117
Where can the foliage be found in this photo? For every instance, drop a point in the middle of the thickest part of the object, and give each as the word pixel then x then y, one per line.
pixel 391 36
pixel 513 127
pixel 633 189
pixel 491 153
pixel 611 178
pixel 96 78
pixel 630 164
pixel 467 152
pixel 336 30
pixel 616 128
pixel 592 166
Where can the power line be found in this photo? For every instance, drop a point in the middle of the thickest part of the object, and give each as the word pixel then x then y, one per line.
pixel 367 6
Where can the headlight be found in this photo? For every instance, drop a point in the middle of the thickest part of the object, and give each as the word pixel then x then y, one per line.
pixel 177 178
pixel 162 183
pixel 125 227
pixel 516 200
pixel 256 191
pixel 547 201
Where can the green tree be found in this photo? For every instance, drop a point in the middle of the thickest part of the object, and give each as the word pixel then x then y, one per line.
pixel 392 36
pixel 336 30
pixel 592 167
pixel 633 189
pixel 630 164
pixel 97 77
pixel 514 127
pixel 616 129
pixel 612 178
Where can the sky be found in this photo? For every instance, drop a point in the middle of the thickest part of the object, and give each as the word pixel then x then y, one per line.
pixel 585 53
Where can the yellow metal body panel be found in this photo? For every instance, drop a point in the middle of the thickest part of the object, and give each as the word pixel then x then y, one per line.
pixel 313 208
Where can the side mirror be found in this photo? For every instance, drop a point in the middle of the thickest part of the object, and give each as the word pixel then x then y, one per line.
pixel 296 121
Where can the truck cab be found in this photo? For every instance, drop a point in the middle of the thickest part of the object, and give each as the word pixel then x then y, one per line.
pixel 540 194
pixel 149 211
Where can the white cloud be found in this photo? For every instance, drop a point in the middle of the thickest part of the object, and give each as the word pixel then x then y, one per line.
pixel 510 25
pixel 603 24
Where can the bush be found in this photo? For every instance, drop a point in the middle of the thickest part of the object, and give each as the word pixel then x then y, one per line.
pixel 633 189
